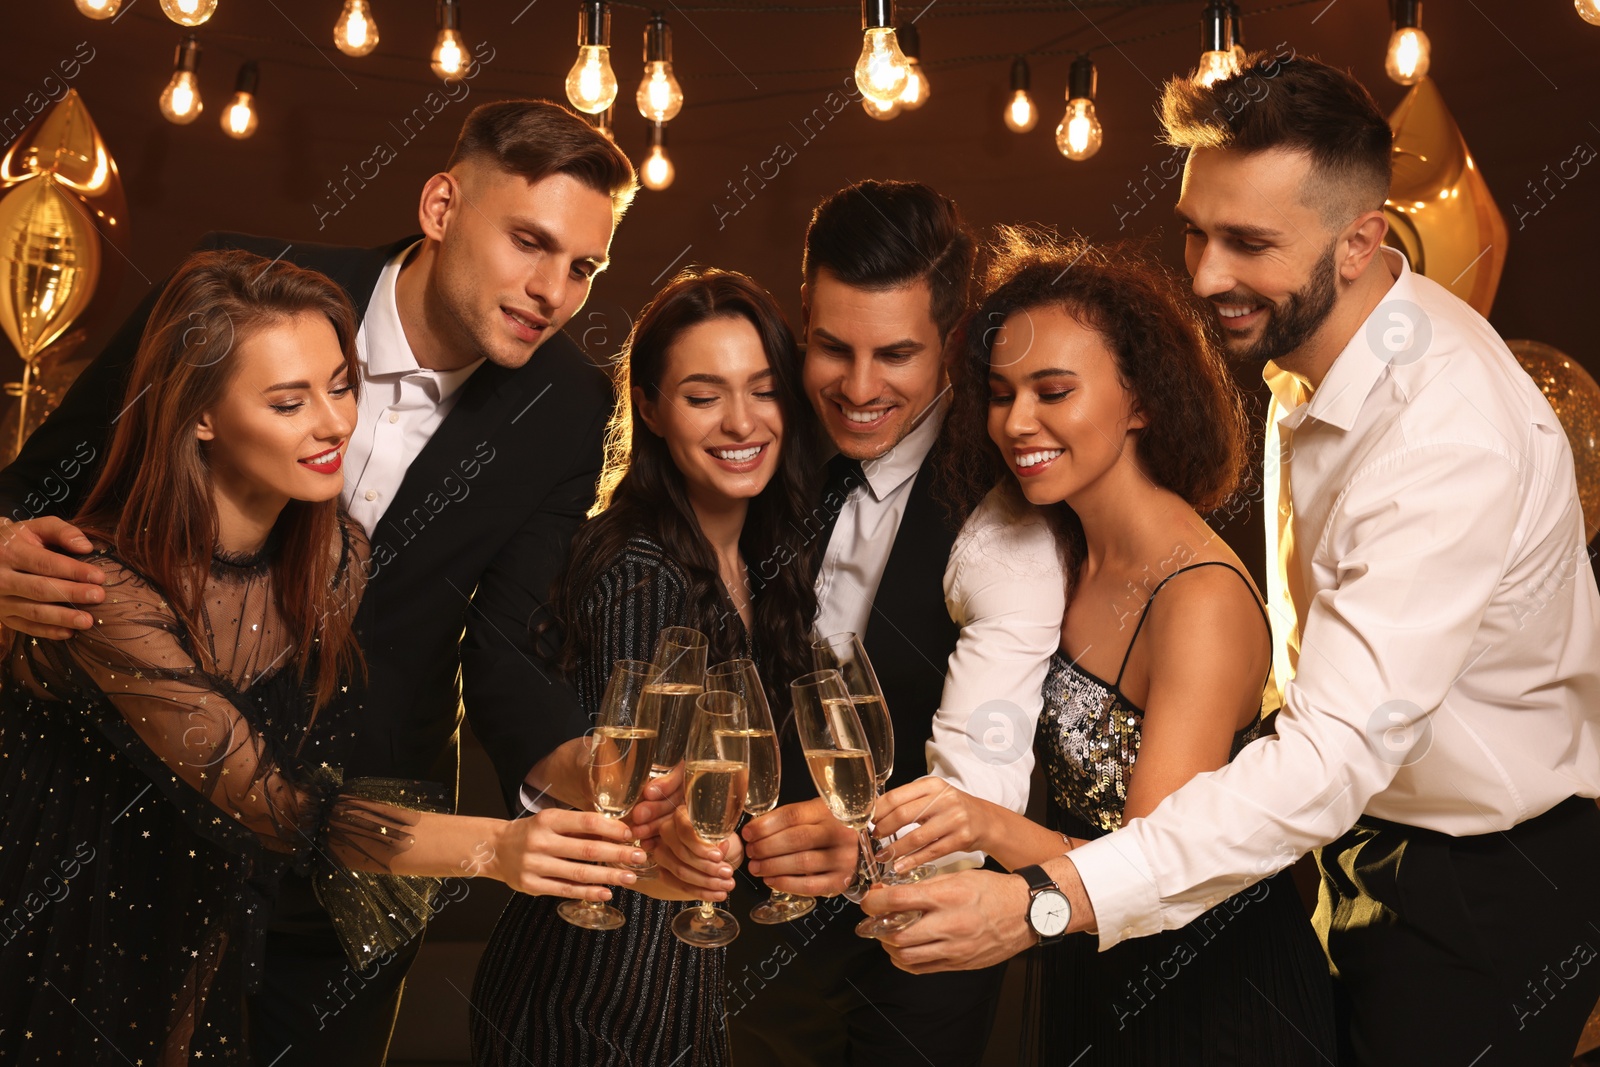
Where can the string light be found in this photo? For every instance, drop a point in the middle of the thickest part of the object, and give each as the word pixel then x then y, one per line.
pixel 1588 10
pixel 239 117
pixel 917 89
pixel 98 9
pixel 882 69
pixel 180 100
pixel 1021 114
pixel 356 32
pixel 660 97
pixel 657 172
pixel 1079 134
pixel 189 12
pixel 1409 52
pixel 881 112
pixel 449 57
pixel 591 83
pixel 1216 45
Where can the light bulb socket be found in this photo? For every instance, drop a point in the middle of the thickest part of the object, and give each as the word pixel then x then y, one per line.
pixel 657 40
pixel 449 15
pixel 249 77
pixel 1082 79
pixel 594 23
pixel 187 56
pixel 658 135
pixel 910 41
pixel 1020 75
pixel 1407 14
pixel 1215 28
pixel 1236 25
pixel 877 14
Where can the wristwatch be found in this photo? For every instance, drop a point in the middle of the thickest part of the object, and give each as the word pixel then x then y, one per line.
pixel 1049 910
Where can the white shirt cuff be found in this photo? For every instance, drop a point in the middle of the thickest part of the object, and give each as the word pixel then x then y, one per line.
pixel 1121 887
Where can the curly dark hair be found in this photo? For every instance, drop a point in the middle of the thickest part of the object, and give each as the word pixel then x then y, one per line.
pixel 641 490
pixel 1195 443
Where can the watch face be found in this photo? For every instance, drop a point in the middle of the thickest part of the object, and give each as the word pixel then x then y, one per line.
pixel 1050 913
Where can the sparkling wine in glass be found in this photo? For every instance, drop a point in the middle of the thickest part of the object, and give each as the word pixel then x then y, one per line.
pixel 680 663
pixel 739 676
pixel 716 778
pixel 839 757
pixel 619 753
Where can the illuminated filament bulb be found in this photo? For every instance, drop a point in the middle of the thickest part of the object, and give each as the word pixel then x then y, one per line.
pixel 591 83
pixel 356 33
pixel 657 172
pixel 660 97
pixel 449 57
pixel 917 89
pixel 1021 114
pixel 99 9
pixel 882 69
pixel 1217 59
pixel 1409 53
pixel 180 100
pixel 1588 10
pixel 239 117
pixel 881 112
pixel 187 12
pixel 1079 135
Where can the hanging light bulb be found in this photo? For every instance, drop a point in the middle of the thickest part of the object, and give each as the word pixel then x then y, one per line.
pixel 188 12
pixel 239 117
pixel 602 122
pixel 1216 45
pixel 449 57
pixel 356 33
pixel 881 112
pixel 1021 115
pixel 1409 52
pixel 1236 32
pixel 660 97
pixel 882 69
pixel 180 100
pixel 917 89
pixel 1588 10
pixel 657 172
pixel 591 83
pixel 98 9
pixel 1079 134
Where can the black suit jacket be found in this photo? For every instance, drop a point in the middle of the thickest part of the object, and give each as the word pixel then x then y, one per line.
pixel 462 560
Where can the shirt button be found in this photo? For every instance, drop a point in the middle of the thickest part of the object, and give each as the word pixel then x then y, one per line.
pixel 394 416
pixel 372 494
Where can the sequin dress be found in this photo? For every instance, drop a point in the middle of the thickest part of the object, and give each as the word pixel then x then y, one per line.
pixel 150 804
pixel 1245 983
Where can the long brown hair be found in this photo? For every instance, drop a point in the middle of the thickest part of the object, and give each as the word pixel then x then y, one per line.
pixel 153 500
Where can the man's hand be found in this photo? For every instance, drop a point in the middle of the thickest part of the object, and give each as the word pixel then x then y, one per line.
pixel 970 919
pixel 37 578
pixel 802 849
pixel 707 869
pixel 950 821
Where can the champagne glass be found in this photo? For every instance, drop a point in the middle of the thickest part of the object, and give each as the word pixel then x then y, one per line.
pixel 844 653
pixel 680 663
pixel 839 757
pixel 620 750
pixel 739 676
pixel 716 775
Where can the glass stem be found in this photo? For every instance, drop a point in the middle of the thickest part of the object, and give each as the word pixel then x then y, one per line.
pixel 707 911
pixel 874 871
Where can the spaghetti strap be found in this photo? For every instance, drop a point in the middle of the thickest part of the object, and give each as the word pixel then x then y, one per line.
pixel 1146 609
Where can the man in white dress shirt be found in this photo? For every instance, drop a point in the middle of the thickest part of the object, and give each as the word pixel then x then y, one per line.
pixel 1435 625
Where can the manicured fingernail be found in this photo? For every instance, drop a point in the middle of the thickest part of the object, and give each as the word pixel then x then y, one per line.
pixel 901 866
pixel 637 858
pixel 755 866
pixel 85 620
pixel 725 871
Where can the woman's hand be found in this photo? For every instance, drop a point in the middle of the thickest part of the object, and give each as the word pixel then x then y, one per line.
pixel 563 854
pixel 662 796
pixel 704 868
pixel 801 848
pixel 950 821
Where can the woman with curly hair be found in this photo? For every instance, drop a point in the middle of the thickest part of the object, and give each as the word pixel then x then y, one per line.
pixel 1106 407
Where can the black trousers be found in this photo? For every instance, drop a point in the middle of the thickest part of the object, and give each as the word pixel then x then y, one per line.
pixel 1470 951
pixel 810 993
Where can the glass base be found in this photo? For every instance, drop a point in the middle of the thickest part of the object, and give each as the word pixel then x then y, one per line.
pixel 591 915
pixel 874 926
pixel 693 927
pixel 782 908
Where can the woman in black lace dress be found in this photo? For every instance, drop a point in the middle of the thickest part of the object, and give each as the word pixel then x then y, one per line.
pixel 699 523
pixel 159 769
pixel 1109 412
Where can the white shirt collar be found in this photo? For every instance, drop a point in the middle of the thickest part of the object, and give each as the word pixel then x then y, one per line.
pixel 382 345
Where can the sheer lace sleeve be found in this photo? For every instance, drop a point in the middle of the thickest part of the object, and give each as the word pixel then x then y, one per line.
pixel 198 736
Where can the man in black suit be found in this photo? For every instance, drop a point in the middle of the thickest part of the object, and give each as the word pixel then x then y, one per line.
pixel 470 468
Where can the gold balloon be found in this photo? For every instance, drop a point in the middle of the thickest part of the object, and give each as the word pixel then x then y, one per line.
pixel 1440 211
pixel 1576 400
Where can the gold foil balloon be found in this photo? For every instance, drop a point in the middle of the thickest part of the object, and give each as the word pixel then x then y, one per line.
pixel 1440 211
pixel 62 208
pixel 1576 400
